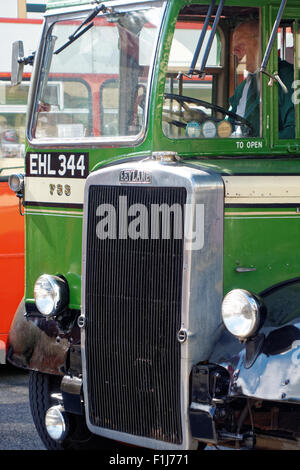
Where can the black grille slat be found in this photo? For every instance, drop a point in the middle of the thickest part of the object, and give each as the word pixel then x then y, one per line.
pixel 133 311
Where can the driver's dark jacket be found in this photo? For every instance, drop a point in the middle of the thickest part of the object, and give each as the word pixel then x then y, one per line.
pixel 285 104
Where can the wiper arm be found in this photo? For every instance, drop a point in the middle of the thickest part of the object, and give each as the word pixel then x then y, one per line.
pixel 265 61
pixel 77 33
pixel 201 38
pixel 73 38
pixel 200 72
pixel 89 18
pixel 211 38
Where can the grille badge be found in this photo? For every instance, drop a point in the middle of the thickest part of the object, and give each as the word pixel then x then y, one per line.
pixel 135 176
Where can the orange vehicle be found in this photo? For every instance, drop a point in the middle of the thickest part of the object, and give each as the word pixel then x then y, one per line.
pixel 11 258
pixel 13 102
pixel 11 224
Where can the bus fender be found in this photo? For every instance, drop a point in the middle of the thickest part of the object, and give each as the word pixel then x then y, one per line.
pixel 36 343
pixel 269 367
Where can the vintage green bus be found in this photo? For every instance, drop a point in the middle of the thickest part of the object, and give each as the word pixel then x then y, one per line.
pixel 161 194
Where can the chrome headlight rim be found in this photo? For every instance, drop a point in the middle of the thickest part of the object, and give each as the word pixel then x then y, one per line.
pixel 56 423
pixel 51 294
pixel 16 182
pixel 246 322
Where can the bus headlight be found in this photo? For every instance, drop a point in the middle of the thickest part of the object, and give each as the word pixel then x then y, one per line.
pixel 56 422
pixel 16 183
pixel 243 313
pixel 51 295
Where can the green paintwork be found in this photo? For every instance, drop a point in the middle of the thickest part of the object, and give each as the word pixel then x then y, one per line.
pixel 268 243
pixel 265 242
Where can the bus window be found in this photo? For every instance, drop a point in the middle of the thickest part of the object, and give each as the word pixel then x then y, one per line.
pixel 223 99
pixel 115 52
pixel 286 71
pixel 64 109
pixel 109 105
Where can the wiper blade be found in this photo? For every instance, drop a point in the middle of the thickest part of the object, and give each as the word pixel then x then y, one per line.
pixel 77 33
pixel 273 36
pixel 200 72
pixel 201 38
pixel 73 38
pixel 211 38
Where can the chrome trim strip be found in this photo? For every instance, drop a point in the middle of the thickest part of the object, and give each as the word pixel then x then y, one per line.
pixel 202 278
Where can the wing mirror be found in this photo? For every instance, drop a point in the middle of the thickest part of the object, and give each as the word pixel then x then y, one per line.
pixel 18 61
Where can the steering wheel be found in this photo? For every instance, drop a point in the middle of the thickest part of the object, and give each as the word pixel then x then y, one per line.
pixel 235 118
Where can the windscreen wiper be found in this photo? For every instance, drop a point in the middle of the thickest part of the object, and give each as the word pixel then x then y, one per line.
pixel 201 38
pixel 275 75
pixel 201 72
pixel 77 33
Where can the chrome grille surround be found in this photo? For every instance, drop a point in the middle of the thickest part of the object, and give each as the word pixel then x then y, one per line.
pixel 200 297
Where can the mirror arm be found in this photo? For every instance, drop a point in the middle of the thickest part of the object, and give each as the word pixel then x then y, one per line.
pixel 27 60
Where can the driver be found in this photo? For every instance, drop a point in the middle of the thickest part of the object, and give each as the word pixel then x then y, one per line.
pixel 246 98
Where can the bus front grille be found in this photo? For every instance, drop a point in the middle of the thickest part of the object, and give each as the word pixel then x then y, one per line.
pixel 133 291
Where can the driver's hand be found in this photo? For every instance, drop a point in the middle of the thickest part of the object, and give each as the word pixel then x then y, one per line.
pixel 43 107
pixel 194 115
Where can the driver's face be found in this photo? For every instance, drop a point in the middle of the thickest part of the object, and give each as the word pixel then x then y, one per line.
pixel 245 47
